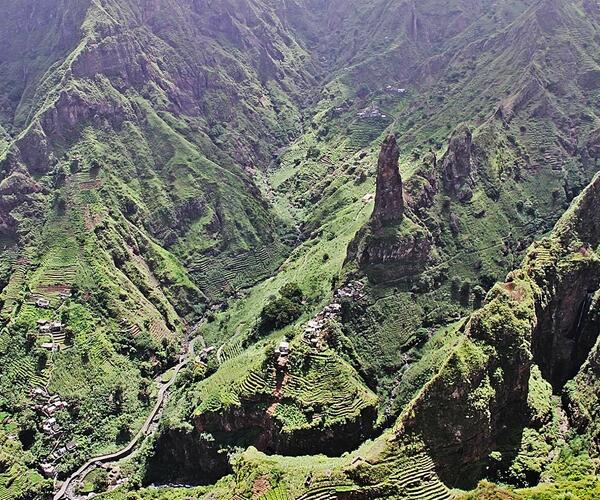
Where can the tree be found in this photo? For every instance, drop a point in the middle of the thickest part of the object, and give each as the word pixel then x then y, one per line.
pixel 292 291
pixel 100 481
pixel 465 292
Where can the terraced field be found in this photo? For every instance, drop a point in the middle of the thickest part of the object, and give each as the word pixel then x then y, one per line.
pixel 328 386
pixel 229 351
pixel 256 383
pixel 16 482
pixel 12 291
pixel 411 474
pixel 226 274
pixel 22 372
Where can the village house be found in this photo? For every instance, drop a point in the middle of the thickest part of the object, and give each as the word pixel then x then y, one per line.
pixel 43 303
pixel 283 349
pixel 51 427
pixel 51 346
pixel 56 327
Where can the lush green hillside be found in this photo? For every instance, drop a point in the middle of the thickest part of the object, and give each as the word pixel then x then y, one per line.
pixel 173 169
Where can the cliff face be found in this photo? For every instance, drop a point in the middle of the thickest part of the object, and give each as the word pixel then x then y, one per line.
pixel 251 425
pixel 537 317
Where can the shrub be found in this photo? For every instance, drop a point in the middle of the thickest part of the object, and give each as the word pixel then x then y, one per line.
pixel 100 481
pixel 279 313
pixel 282 311
pixel 292 291
pixel 313 153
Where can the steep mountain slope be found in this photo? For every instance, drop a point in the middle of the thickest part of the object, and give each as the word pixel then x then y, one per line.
pixel 126 203
pixel 172 168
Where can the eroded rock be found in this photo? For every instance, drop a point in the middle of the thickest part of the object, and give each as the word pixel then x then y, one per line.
pixel 389 201
pixel 457 168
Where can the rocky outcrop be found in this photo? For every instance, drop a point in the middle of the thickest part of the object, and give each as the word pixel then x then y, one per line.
pixel 457 167
pixel 251 425
pixel 394 244
pixel 422 187
pixel 389 200
pixel 18 194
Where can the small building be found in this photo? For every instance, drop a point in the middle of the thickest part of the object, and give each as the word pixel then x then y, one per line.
pixel 284 348
pixel 38 392
pixel 48 470
pixel 51 426
pixel 43 303
pixel 49 346
pixel 71 445
pixel 61 405
pixel 50 409
pixel 206 352
pixel 56 327
pixel 42 322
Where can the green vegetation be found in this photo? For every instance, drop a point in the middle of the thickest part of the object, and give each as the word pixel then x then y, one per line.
pixel 209 170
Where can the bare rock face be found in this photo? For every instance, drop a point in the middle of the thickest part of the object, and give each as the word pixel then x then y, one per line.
pixel 17 196
pixel 389 201
pixel 457 174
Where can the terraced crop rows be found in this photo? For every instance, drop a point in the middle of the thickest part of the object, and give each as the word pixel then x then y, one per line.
pixel 158 330
pixel 255 383
pixel 215 277
pixel 13 484
pixel 24 375
pixel 55 281
pixel 132 329
pixel 229 351
pixel 14 287
pixel 415 477
pixel 209 278
pixel 325 489
pixel 326 387
pixel 279 493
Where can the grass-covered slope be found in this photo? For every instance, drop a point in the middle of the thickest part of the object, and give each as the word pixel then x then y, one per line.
pixel 143 179
pixel 126 203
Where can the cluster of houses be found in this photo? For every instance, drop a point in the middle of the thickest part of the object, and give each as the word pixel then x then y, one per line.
pixel 47 406
pixel 44 303
pixel 52 328
pixel 395 90
pixel 371 111
pixel 315 331
pixel 49 468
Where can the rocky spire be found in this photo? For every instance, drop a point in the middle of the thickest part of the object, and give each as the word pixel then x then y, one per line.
pixel 389 201
pixel 457 172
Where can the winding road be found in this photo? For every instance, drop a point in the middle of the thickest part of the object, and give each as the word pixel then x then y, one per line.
pixel 64 491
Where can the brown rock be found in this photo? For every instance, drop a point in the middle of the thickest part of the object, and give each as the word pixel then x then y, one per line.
pixel 457 173
pixel 389 201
